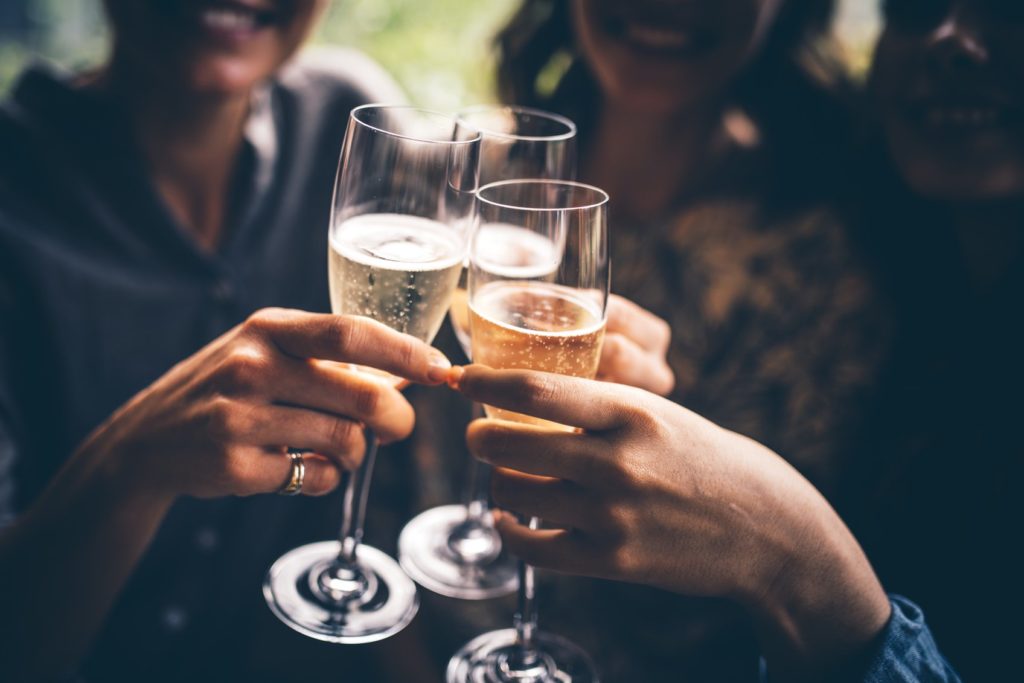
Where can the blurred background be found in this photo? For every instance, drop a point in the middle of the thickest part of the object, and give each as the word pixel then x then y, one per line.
pixel 439 50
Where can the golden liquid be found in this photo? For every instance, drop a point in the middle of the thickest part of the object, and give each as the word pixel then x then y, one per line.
pixel 398 270
pixel 459 315
pixel 535 326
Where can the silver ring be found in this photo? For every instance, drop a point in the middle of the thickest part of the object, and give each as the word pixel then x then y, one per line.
pixel 293 486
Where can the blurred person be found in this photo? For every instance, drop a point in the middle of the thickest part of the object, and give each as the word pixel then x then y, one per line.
pixel 161 220
pixel 721 131
pixel 650 492
pixel 162 229
pixel 932 497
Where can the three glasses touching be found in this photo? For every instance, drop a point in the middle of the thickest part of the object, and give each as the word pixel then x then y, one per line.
pixel 418 196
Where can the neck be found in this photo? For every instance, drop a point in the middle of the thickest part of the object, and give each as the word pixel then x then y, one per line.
pixel 190 144
pixel 991 236
pixel 642 159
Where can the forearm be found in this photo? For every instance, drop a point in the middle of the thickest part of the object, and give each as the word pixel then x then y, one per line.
pixel 65 560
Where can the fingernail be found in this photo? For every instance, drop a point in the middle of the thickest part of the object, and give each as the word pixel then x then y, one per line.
pixel 455 376
pixel 438 367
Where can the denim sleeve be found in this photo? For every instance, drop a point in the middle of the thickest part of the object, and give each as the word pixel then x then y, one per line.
pixel 904 652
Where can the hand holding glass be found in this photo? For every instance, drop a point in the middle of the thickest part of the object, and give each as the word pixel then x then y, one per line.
pixel 403 198
pixel 552 321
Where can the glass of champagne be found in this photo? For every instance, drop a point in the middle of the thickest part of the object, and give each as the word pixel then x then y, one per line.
pixel 552 322
pixel 403 199
pixel 454 550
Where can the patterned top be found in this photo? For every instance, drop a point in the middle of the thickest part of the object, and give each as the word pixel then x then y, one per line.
pixel 778 334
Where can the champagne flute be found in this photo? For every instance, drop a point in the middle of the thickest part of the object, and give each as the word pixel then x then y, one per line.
pixel 553 323
pixel 403 198
pixel 454 550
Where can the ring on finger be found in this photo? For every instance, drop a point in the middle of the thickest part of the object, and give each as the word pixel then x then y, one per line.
pixel 293 486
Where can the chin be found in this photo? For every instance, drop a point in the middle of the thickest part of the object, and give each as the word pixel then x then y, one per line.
pixel 225 77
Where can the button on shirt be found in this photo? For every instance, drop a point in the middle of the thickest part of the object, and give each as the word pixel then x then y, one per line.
pixel 101 292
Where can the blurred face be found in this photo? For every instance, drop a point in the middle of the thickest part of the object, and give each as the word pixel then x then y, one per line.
pixel 210 46
pixel 949 77
pixel 669 55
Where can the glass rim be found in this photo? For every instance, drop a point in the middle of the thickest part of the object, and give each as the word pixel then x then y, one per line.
pixel 461 115
pixel 601 195
pixel 356 111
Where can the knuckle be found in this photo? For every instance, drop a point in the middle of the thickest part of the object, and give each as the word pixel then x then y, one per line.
pixel 343 333
pixel 637 415
pixel 407 351
pixel 366 399
pixel 342 432
pixel 243 368
pixel 260 321
pixel 220 419
pixel 237 470
pixel 538 387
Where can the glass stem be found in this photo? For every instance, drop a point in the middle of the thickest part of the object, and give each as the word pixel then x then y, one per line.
pixel 526 617
pixel 478 498
pixel 357 490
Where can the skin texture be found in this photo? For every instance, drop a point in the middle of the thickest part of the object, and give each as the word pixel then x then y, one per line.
pixel 213 426
pixel 187 92
pixel 661 109
pixel 934 72
pixel 713 42
pixel 646 491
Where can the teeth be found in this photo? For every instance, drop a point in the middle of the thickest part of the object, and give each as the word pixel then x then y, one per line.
pixel 229 20
pixel 658 37
pixel 962 116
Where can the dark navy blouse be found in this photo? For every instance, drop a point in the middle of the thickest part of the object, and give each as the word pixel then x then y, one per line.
pixel 101 292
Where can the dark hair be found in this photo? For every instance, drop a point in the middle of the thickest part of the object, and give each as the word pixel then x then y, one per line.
pixel 796 89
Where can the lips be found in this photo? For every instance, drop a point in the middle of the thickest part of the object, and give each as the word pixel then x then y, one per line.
pixel 233 21
pixel 660 38
pixel 962 114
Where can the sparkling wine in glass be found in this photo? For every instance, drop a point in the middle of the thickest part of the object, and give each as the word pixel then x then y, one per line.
pixel 555 323
pixel 397 241
pixel 455 550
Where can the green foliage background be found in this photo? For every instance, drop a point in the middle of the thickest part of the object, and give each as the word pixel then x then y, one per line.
pixel 439 50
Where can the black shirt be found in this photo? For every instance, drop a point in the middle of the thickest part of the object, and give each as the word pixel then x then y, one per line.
pixel 102 291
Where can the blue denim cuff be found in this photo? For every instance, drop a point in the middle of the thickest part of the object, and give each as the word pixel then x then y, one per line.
pixel 904 652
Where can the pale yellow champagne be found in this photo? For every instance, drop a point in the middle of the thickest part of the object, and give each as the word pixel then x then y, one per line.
pixel 399 270
pixel 510 251
pixel 535 326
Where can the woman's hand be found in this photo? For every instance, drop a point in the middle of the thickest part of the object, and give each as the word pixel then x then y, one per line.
pixel 219 422
pixel 649 492
pixel 635 345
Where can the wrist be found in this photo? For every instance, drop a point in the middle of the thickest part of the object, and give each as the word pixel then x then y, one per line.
pixel 814 597
pixel 114 467
pixel 817 603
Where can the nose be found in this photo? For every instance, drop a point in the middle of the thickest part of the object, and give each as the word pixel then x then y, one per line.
pixel 957 45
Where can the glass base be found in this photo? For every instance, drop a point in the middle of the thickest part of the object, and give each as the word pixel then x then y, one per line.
pixel 495 658
pixel 362 607
pixel 445 553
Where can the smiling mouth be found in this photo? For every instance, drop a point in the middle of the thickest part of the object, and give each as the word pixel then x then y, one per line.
pixel 960 117
pixel 234 20
pixel 659 39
